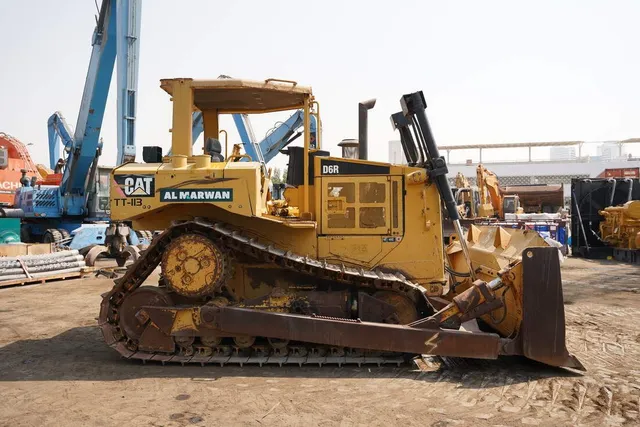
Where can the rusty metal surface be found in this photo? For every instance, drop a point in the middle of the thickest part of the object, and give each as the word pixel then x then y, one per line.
pixel 543 325
pixel 404 311
pixel 373 309
pixel 221 333
pixel 194 265
pixel 354 334
pixel 240 246
pixel 331 302
pixel 146 295
pixel 472 296
pixel 93 254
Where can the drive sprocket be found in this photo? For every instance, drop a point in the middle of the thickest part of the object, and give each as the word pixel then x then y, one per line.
pixel 194 265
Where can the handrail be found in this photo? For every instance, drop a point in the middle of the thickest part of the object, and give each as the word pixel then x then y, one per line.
pixel 293 82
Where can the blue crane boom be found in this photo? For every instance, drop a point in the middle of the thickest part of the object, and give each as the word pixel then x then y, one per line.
pixel 80 198
pixel 58 130
pixel 128 58
pixel 116 37
pixel 285 133
pixel 91 114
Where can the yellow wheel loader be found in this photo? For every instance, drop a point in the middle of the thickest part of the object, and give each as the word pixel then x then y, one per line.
pixel 349 267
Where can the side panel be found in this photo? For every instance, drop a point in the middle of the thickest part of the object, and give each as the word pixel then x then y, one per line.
pixel 358 250
pixel 407 238
pixel 356 205
pixel 142 190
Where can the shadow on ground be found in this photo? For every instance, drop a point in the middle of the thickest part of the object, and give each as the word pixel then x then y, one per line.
pixel 79 354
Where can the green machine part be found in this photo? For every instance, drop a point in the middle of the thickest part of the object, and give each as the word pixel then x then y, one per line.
pixel 9 230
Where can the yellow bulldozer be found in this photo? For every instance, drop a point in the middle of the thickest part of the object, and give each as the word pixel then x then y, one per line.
pixel 349 267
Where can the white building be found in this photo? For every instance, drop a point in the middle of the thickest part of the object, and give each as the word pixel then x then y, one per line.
pixel 559 167
pixel 610 151
pixel 562 153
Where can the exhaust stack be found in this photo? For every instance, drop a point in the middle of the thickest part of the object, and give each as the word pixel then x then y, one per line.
pixel 363 127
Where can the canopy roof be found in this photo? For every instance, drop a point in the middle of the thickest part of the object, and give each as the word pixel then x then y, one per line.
pixel 244 96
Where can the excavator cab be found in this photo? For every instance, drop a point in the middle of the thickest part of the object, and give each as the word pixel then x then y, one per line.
pixel 511 204
pixel 468 201
pixel 348 268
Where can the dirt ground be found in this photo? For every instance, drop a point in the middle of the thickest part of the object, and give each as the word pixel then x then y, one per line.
pixel 55 370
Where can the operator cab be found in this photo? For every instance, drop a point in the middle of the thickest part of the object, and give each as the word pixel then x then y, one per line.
pixel 511 204
pixel 212 98
pixel 209 99
pixel 469 200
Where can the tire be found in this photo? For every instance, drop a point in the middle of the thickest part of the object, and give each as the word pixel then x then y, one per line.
pixel 49 236
pixel 25 236
pixel 57 236
pixel 65 234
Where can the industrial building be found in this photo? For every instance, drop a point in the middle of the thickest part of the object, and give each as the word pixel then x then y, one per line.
pixel 532 163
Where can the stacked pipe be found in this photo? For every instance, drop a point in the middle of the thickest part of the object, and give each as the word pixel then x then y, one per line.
pixel 11 268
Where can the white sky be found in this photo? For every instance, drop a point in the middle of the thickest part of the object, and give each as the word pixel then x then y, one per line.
pixel 492 71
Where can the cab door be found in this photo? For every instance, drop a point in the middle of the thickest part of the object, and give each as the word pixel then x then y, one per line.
pixel 357 205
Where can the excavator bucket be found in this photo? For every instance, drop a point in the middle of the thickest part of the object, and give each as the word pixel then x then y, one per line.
pixel 533 305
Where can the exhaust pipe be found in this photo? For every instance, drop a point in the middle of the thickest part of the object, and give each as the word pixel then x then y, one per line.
pixel 630 192
pixel 613 183
pixel 363 125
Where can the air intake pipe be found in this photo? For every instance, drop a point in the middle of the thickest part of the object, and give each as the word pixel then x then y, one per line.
pixel 363 127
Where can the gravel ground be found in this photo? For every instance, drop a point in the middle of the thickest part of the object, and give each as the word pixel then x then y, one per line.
pixel 55 370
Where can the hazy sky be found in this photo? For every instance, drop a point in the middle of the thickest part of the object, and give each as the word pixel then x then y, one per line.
pixel 492 71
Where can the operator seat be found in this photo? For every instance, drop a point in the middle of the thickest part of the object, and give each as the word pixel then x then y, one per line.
pixel 213 148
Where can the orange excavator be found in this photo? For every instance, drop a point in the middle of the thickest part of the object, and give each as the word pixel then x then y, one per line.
pixel 492 201
pixel 486 199
pixel 17 166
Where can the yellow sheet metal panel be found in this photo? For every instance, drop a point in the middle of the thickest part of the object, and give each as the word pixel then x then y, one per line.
pixel 182 96
pixel 211 124
pixel 140 189
pixel 355 250
pixel 356 205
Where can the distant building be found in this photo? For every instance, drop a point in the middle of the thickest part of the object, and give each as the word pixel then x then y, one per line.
pixel 609 151
pixel 563 163
pixel 562 153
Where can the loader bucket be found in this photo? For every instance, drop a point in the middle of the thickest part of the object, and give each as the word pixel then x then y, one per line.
pixel 543 323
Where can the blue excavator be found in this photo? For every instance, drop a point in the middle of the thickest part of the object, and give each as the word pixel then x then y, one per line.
pixel 74 211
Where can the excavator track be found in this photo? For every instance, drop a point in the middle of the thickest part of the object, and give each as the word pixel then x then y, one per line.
pixel 261 351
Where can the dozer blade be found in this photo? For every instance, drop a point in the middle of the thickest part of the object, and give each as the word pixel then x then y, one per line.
pixel 532 303
pixel 543 324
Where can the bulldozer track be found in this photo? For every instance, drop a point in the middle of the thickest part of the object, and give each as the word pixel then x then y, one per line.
pixel 236 242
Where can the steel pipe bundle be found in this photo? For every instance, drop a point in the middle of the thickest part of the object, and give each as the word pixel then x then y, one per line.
pixel 12 268
pixel 42 268
pixel 39 275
